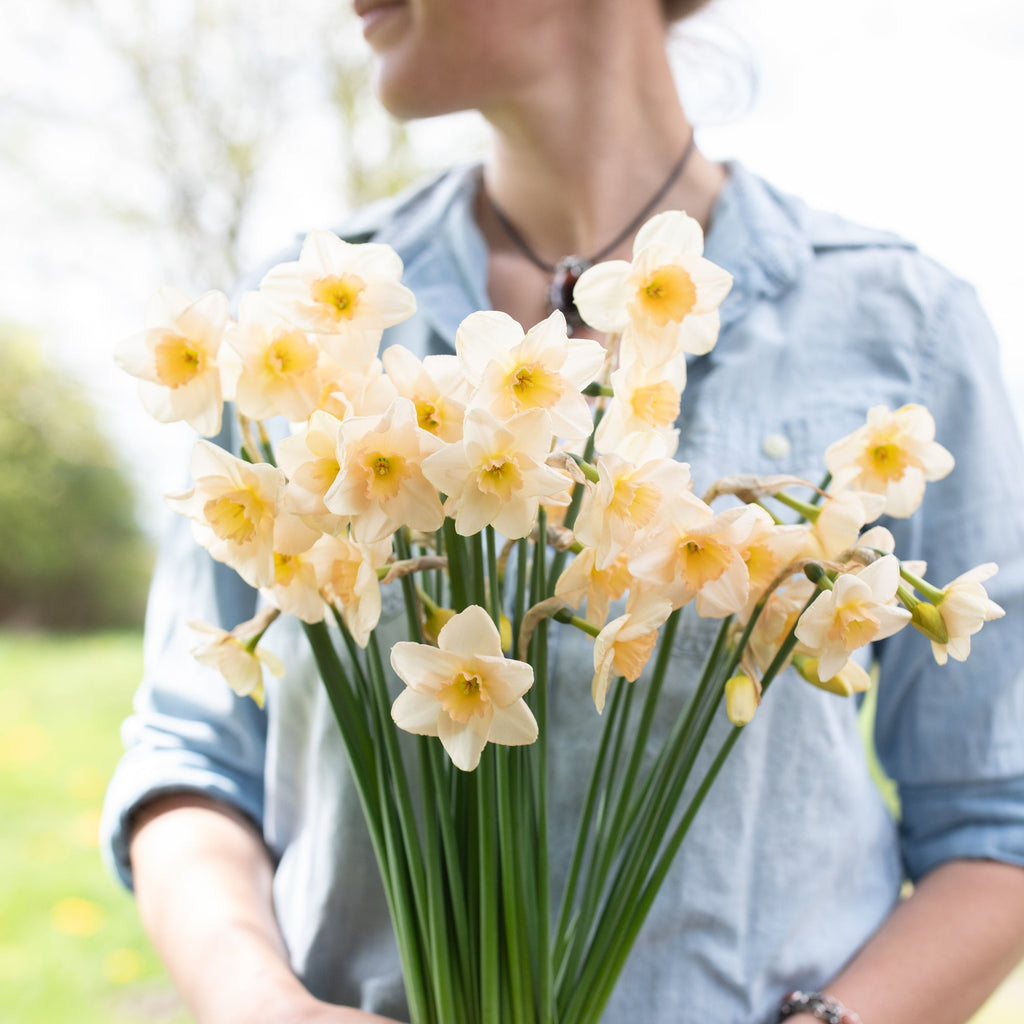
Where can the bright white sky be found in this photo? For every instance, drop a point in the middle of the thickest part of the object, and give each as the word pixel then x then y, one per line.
pixel 899 115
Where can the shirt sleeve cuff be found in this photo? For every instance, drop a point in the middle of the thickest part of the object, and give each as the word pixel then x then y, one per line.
pixel 956 821
pixel 139 780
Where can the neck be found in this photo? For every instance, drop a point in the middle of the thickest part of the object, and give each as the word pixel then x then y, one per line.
pixel 581 148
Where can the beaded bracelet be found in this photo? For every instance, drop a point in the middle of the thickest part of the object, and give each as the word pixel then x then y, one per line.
pixel 819 1005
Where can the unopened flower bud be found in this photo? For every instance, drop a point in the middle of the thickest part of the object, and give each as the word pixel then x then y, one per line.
pixel 434 622
pixel 850 679
pixel 928 620
pixel 741 699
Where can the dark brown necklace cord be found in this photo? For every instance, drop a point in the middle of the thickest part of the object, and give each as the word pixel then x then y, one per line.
pixel 566 272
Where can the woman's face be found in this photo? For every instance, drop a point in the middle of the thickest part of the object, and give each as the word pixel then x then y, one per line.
pixel 437 56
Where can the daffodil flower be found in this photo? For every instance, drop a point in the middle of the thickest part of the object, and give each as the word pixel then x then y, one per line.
pixel 584 580
pixel 646 400
pixel 237 658
pixel 668 290
pixel 380 484
pixel 893 454
pixel 233 506
pixel 496 475
pixel 514 372
pixel 965 608
pixel 435 386
pixel 627 643
pixel 464 691
pixel 280 364
pixel 856 611
pixel 348 293
pixel 175 359
pixel 347 575
pixel 694 552
pixel 628 495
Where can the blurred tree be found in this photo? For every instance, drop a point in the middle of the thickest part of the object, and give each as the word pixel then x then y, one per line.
pixel 72 555
pixel 193 106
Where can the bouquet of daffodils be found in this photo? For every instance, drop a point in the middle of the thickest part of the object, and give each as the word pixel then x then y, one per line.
pixel 525 483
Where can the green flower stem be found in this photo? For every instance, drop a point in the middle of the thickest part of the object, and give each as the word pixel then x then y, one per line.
pixel 819 495
pixel 488 895
pixel 409 590
pixel 589 471
pixel 493 582
pixel 923 587
pixel 778 521
pixel 609 837
pixel 651 817
pixel 805 508
pixel 596 390
pixel 582 845
pixel 265 446
pixel 350 714
pixel 511 830
pixel 907 598
pixel 580 623
pixel 454 549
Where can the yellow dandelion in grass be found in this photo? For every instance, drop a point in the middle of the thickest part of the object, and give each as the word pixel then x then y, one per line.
pixel 76 916
pixel 123 966
pixel 24 743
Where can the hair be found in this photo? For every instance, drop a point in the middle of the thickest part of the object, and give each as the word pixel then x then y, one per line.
pixel 676 10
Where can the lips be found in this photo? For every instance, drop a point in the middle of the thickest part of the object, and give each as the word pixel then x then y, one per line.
pixel 364 7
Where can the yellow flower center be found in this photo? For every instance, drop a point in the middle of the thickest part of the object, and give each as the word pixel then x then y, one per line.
pixel 317 475
pixel 385 472
pixel 656 404
pixel 667 295
pixel 703 561
pixel 178 360
pixel 761 566
pixel 428 415
pixel 630 656
pixel 887 460
pixel 286 568
pixel 290 355
pixel 533 386
pixel 854 625
pixel 230 516
pixel 342 583
pixel 637 503
pixel 500 476
pixel 339 293
pixel 464 697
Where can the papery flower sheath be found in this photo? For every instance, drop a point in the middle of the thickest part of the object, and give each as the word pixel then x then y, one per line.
pixel 465 691
pixel 668 290
pixel 893 454
pixel 542 369
pixel 233 506
pixel 965 608
pixel 856 611
pixel 175 359
pixel 348 293
pixel 496 475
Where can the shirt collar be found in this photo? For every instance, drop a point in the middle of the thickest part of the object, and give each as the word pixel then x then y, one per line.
pixel 755 234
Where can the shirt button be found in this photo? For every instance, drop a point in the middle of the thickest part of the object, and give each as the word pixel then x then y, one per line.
pixel 776 446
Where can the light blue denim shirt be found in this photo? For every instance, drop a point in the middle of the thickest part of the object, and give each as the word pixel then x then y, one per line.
pixel 794 861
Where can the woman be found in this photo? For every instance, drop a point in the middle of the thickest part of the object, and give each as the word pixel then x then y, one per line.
pixel 791 877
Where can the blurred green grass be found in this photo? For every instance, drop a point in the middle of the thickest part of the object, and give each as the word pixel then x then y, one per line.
pixel 71 947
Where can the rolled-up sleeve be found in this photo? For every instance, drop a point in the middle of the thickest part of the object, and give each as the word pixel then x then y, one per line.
pixel 952 737
pixel 188 731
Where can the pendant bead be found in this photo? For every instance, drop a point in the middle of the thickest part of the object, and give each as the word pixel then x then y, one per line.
pixel 560 292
